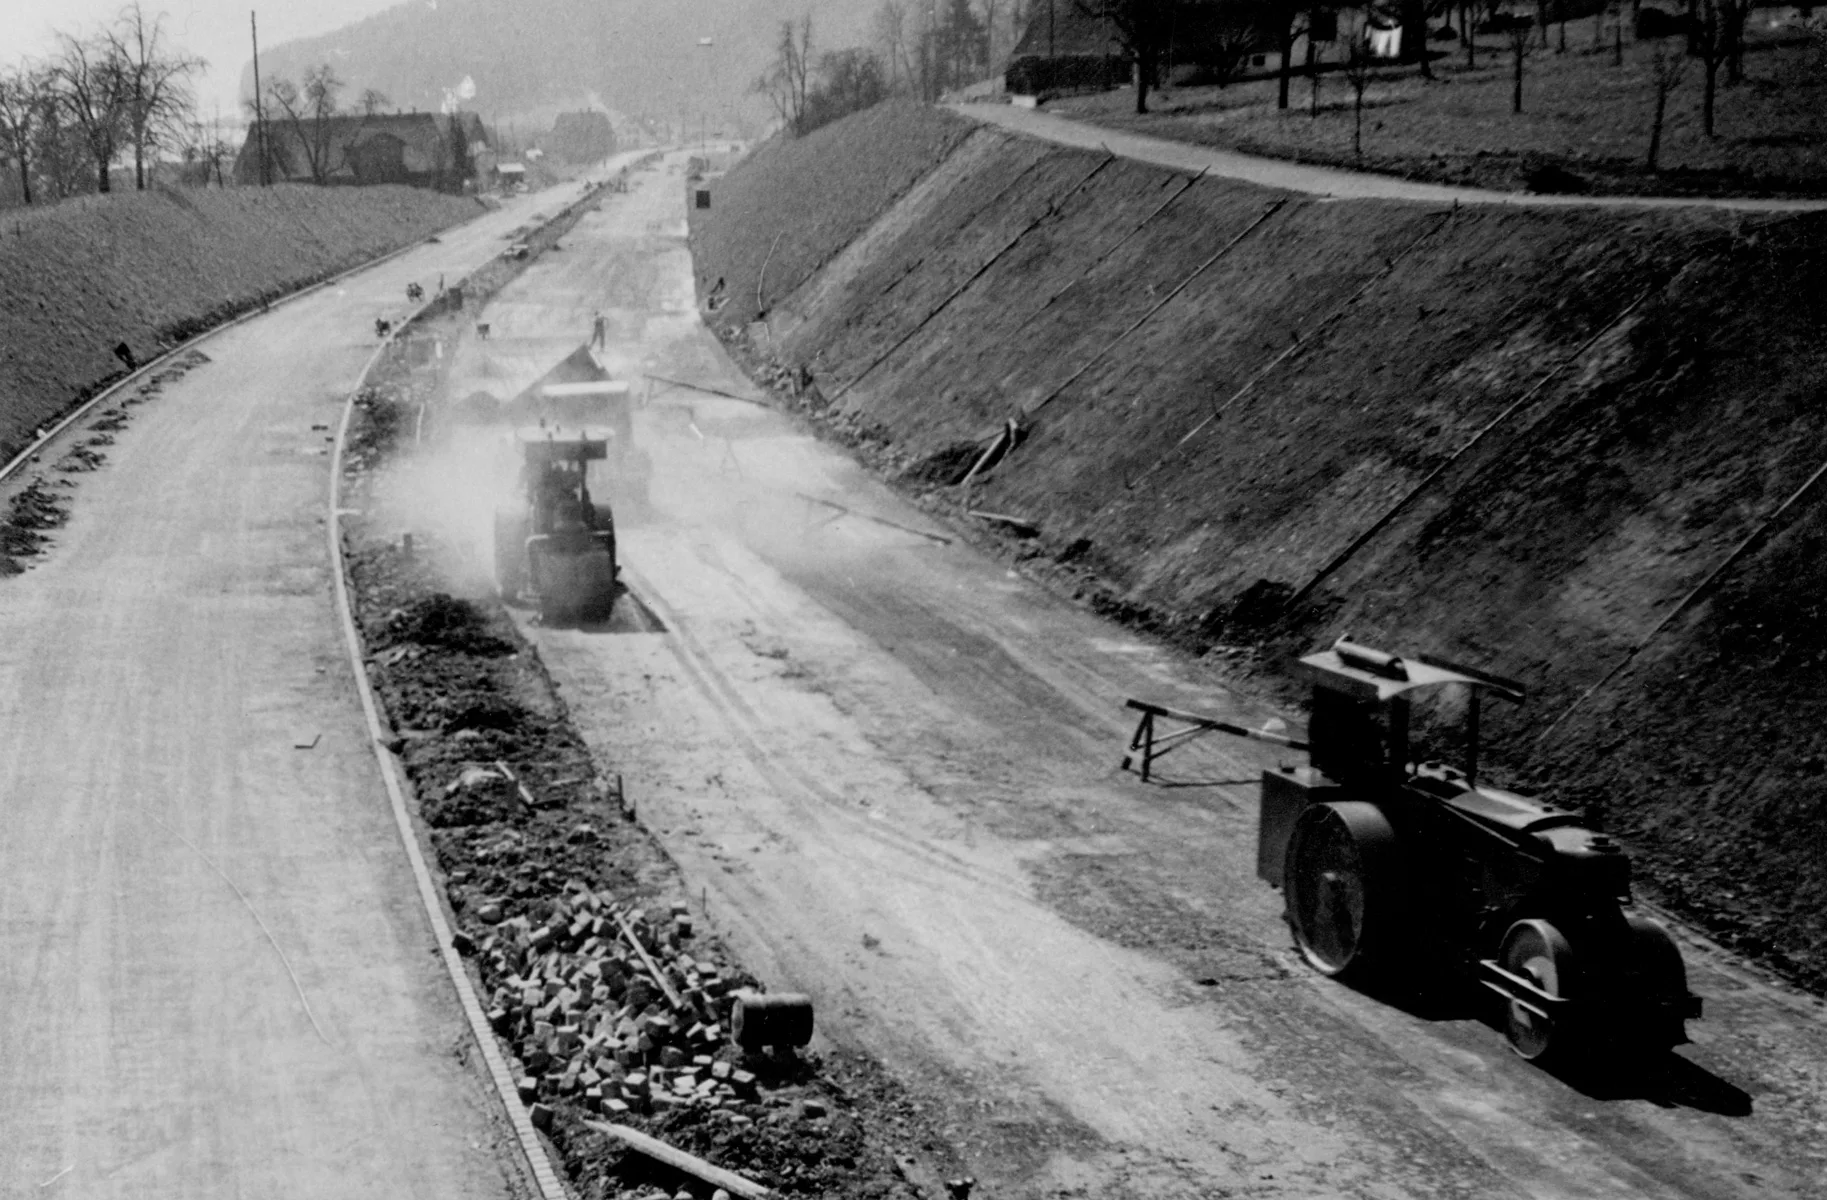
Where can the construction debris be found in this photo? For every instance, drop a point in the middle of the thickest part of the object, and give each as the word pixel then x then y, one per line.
pixel 594 1018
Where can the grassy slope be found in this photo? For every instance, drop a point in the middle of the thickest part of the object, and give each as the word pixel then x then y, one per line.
pixel 1650 441
pixel 147 268
pixel 828 198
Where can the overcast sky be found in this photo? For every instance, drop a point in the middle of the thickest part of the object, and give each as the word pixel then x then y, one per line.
pixel 215 29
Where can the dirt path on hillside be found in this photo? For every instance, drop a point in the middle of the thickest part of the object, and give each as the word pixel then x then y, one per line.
pixel 217 975
pixel 1323 181
pixel 890 764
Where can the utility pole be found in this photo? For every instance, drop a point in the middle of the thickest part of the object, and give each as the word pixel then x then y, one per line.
pixel 709 46
pixel 259 113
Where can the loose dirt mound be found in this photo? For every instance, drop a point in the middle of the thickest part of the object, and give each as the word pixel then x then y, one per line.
pixel 1513 437
pixel 151 268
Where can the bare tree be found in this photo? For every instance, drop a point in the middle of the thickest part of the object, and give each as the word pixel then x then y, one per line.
pixel 988 14
pixel 310 113
pixel 23 95
pixel 1315 53
pixel 1235 33
pixel 1291 20
pixel 891 36
pixel 1666 67
pixel 155 83
pixel 373 101
pixel 1712 46
pixel 1359 68
pixel 204 151
pixel 59 150
pixel 92 86
pixel 1142 27
pixel 1737 15
pixel 1522 42
pixel 963 48
pixel 788 79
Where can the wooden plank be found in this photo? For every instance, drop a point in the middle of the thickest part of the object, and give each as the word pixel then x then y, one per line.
pixel 691 1164
pixel 658 977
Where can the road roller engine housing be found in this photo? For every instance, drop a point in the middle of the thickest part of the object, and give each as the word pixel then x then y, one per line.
pixel 559 544
pixel 1393 870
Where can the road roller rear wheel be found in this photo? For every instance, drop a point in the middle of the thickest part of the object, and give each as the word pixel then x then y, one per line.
pixel 1344 888
pixel 1655 979
pixel 1538 952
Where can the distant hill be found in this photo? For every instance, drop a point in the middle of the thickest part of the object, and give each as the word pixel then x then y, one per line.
pixel 530 59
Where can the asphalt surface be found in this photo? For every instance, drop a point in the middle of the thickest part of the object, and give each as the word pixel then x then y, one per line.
pixel 1330 182
pixel 217 976
pixel 890 764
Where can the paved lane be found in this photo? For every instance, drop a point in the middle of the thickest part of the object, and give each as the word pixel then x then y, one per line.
pixel 217 978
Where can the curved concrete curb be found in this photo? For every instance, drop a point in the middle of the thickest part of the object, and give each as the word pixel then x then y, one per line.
pixel 551 1186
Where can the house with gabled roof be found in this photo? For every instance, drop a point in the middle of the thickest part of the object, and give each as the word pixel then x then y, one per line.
pixel 430 150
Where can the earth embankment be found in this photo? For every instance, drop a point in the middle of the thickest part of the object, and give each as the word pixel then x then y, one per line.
pixel 150 268
pixel 1571 446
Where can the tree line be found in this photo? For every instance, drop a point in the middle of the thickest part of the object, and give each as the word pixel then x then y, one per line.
pixel 119 93
pixel 920 49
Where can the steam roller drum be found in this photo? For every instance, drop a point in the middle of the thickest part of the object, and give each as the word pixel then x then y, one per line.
pixel 1347 899
pixel 1540 953
pixel 779 1019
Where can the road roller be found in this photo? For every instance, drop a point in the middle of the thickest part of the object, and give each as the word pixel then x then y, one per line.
pixel 1395 871
pixel 559 544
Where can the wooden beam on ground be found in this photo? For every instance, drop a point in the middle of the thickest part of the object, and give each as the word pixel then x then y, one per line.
pixel 659 978
pixel 699 387
pixel 943 541
pixel 691 1164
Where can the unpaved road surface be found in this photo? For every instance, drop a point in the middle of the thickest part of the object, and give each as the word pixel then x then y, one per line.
pixel 217 977
pixel 1332 182
pixel 891 765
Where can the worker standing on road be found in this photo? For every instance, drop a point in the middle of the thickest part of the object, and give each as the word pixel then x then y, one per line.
pixel 598 331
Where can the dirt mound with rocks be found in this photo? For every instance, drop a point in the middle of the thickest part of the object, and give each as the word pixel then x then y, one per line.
pixel 1576 447
pixel 148 269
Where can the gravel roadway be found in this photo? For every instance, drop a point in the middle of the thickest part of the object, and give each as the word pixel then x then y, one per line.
pixel 217 976
pixel 890 764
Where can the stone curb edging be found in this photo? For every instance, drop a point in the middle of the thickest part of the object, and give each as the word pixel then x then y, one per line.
pixel 550 1186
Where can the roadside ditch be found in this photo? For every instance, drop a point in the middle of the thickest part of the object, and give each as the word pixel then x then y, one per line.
pixel 608 993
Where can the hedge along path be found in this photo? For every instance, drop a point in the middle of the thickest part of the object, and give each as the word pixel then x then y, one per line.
pixel 1051 210
pixel 1299 343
